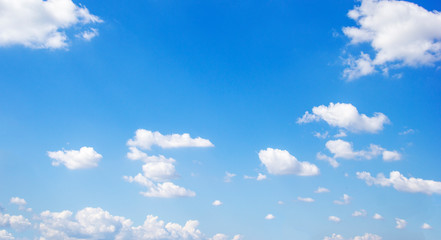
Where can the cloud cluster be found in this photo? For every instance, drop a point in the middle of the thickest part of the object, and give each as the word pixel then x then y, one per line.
pixel 346 116
pixel 401 34
pixel 401 223
pixel 5 235
pixel 86 157
pixel 342 149
pixel 159 170
pixel 281 162
pixel 401 183
pixel 366 236
pixel 43 24
pixel 145 139
pixel 16 222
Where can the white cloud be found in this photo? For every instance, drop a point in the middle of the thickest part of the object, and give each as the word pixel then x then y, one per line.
pixel 401 223
pixel 368 236
pixel 161 190
pixel 309 200
pixel 342 149
pixel 41 24
pixel 219 236
pixel 389 156
pixel 377 216
pixel 361 213
pixel 217 203
pixel 237 237
pixel 330 160
pixel 260 177
pixel 96 223
pixel 321 190
pixel 280 202
pixel 145 139
pixel 346 116
pixel 280 162
pixel 229 176
pixel 346 199
pixel 321 135
pixel 16 222
pixel 334 237
pixel 86 157
pixel 18 201
pixel 136 154
pixel 408 131
pixel 4 235
pixel 340 134
pixel 88 34
pixel 269 217
pixel 426 226
pixel 408 37
pixel 401 183
pixel 334 219
pixel 159 171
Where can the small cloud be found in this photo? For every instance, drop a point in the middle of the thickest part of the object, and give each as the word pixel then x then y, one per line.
pixel 401 223
pixel 269 217
pixel 321 135
pixel 309 200
pixel 217 203
pixel 340 134
pixel 334 219
pixel 84 158
pixel 426 226
pixel 344 200
pixel 280 202
pixel 229 177
pixel 88 34
pixel 377 216
pixel 321 190
pixel 406 132
pixel 360 213
pixel 260 177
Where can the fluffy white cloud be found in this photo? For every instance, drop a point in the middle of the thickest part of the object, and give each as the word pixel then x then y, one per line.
pixel 86 157
pixel 145 139
pixel 161 190
pixel 321 190
pixel 346 199
pixel 309 200
pixel 17 222
pixel 261 177
pixel 237 237
pixel 426 226
pixel 217 203
pixel 401 183
pixel 401 223
pixel 269 217
pixel 377 216
pixel 280 162
pixel 368 236
pixel 4 235
pixel 96 223
pixel 361 213
pixel 18 201
pixel 334 236
pixel 334 219
pixel 346 116
pixel 42 24
pixel 159 171
pixel 342 149
pixel 408 37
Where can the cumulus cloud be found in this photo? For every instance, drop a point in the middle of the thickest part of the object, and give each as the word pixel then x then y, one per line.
pixel 5 235
pixel 161 190
pixel 86 157
pixel 217 203
pixel 16 222
pixel 145 139
pixel 342 149
pixel 408 37
pixel 377 216
pixel 361 213
pixel 229 177
pixel 346 116
pixel 308 200
pixel 401 183
pixel 18 201
pixel 261 177
pixel 96 223
pixel 334 219
pixel 426 226
pixel 280 162
pixel 321 190
pixel 42 24
pixel 401 223
pixel 269 217
pixel 366 236
pixel 344 200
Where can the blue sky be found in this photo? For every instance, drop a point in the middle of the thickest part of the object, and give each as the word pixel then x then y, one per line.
pixel 112 113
